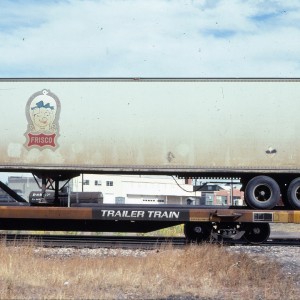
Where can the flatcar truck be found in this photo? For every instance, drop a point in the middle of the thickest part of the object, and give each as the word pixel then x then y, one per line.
pixel 244 129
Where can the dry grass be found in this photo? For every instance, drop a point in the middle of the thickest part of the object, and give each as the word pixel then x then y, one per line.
pixel 207 271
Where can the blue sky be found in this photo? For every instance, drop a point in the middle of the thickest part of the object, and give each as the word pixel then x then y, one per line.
pixel 149 38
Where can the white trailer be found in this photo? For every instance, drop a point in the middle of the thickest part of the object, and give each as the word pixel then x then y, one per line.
pixel 233 128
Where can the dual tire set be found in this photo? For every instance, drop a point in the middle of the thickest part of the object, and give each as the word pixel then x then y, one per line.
pixel 263 192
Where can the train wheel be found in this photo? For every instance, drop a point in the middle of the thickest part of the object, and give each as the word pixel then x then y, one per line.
pixel 262 192
pixel 256 233
pixel 293 193
pixel 197 232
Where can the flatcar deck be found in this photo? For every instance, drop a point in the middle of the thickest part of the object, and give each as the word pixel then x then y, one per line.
pixel 150 213
pixel 199 223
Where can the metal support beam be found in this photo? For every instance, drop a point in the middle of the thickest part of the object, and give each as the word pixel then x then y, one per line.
pixel 11 193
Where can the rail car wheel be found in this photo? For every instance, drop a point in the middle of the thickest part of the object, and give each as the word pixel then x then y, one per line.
pixel 293 193
pixel 256 233
pixel 262 192
pixel 197 232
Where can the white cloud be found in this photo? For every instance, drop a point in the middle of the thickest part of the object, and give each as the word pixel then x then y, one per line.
pixel 154 38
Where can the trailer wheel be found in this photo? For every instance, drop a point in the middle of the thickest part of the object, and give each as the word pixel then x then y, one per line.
pixel 197 232
pixel 293 193
pixel 257 233
pixel 262 192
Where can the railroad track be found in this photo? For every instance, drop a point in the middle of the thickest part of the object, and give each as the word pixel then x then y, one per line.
pixel 92 241
pixel 135 242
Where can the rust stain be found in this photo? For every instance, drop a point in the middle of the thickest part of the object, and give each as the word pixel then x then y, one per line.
pixel 281 217
pixel 214 215
pixel 199 215
pixel 296 217
pixel 45 213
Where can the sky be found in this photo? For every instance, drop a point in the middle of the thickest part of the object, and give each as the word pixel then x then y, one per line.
pixel 149 38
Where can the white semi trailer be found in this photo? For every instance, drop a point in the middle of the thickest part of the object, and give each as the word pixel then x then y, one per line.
pixel 212 128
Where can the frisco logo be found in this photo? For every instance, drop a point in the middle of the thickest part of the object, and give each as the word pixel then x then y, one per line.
pixel 42 112
pixel 41 140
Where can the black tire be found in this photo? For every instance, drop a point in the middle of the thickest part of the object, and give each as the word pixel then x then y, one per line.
pixel 257 233
pixel 293 193
pixel 262 192
pixel 197 232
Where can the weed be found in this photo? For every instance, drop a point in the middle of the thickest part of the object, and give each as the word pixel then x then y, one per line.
pixel 205 271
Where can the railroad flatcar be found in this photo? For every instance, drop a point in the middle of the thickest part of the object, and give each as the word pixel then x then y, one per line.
pixel 246 129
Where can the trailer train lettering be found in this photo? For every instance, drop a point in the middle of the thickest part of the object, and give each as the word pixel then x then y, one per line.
pixel 151 214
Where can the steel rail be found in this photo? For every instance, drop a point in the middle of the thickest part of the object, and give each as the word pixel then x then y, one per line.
pixel 135 242
pixel 92 241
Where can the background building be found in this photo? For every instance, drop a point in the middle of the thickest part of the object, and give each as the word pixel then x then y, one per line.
pixel 141 189
pixel 220 194
pixel 137 189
